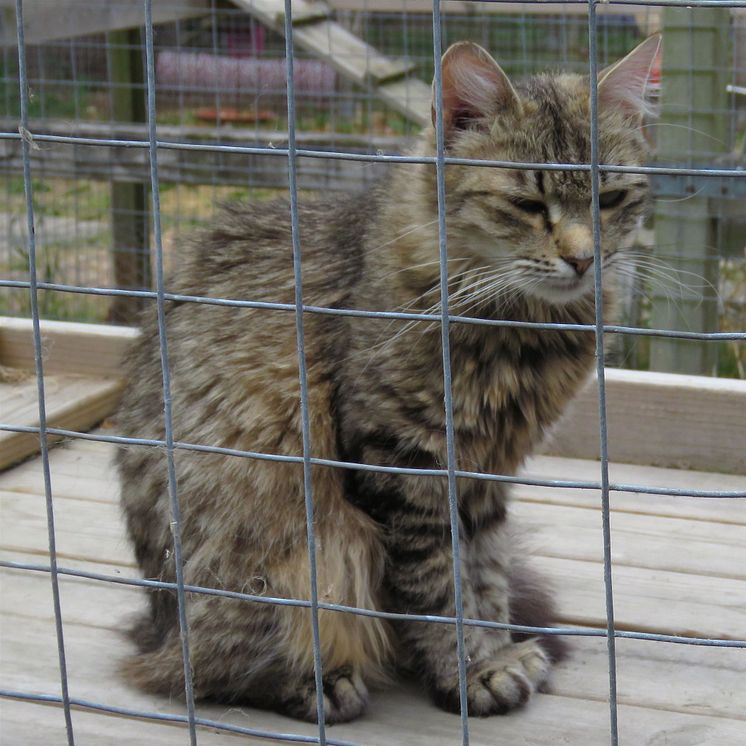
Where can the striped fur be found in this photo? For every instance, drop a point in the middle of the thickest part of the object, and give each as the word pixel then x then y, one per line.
pixel 518 244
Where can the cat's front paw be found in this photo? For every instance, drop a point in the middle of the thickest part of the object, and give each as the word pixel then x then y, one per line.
pixel 501 683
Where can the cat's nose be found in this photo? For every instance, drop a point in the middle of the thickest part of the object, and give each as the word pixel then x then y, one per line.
pixel 578 263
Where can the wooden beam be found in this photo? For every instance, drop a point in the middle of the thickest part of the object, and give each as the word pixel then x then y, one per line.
pixel 82 374
pixel 46 21
pixel 349 55
pixel 648 18
pixel 693 132
pixel 72 403
pixel 130 249
pixel 662 419
pixel 93 349
pixel 123 164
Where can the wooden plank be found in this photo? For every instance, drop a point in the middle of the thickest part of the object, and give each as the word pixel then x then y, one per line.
pixel 67 482
pixel 703 698
pixel 351 55
pixel 77 469
pixel 649 600
pixel 73 18
pixel 36 724
pixel 662 419
pixel 642 541
pixel 92 604
pixel 92 349
pixel 211 134
pixel 309 12
pixel 396 714
pixel 80 469
pixel 646 540
pixel 395 718
pixel 72 403
pixel 699 680
pixel 90 532
pixel 717 689
pixel 409 91
pixel 82 368
pixel 725 510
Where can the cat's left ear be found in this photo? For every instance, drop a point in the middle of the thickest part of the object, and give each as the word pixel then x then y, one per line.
pixel 624 84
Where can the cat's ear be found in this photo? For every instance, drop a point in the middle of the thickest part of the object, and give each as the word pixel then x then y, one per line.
pixel 474 87
pixel 624 85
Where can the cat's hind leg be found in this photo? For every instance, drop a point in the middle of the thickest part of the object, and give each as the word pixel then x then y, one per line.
pixel 232 644
pixel 262 654
pixel 256 680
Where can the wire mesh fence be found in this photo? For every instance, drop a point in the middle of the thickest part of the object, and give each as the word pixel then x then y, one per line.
pixel 220 80
pixel 202 68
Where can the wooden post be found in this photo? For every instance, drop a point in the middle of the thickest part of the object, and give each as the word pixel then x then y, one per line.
pixel 129 200
pixel 692 132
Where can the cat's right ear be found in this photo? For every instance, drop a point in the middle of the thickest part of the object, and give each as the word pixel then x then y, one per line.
pixel 475 88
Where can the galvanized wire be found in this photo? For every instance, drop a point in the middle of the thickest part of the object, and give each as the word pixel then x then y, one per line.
pixel 643 3
pixel 399 315
pixel 271 150
pixel 376 614
pixel 173 498
pixel 600 373
pixel 447 379
pixel 165 717
pixel 39 370
pixel 303 376
pixel 451 473
pixel 506 478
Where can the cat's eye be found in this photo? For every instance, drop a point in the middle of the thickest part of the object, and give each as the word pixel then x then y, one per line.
pixel 607 200
pixel 532 206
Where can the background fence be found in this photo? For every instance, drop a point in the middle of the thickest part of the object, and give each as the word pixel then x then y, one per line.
pixel 91 89
pixel 220 80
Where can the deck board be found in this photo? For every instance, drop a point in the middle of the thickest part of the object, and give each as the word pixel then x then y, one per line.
pixel 678 569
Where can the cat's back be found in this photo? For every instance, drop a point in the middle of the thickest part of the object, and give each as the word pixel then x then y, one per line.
pixel 246 252
pixel 240 357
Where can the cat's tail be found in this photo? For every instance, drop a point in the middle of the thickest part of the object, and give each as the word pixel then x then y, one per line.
pixel 532 605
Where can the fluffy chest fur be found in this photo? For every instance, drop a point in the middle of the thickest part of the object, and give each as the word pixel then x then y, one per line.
pixel 508 385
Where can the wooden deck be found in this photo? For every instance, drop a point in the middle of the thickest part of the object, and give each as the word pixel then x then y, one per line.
pixel 679 567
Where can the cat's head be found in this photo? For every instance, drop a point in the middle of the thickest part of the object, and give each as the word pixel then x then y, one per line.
pixel 534 227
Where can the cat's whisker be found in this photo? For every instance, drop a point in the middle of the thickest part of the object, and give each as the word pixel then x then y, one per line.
pixel 490 293
pixel 422 265
pixel 694 130
pixel 669 277
pixel 384 344
pixel 665 287
pixel 644 258
pixel 681 199
pixel 491 281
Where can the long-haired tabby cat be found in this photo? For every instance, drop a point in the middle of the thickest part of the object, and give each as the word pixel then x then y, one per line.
pixel 520 247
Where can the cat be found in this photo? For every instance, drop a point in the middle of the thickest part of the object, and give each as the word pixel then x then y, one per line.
pixel 520 248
